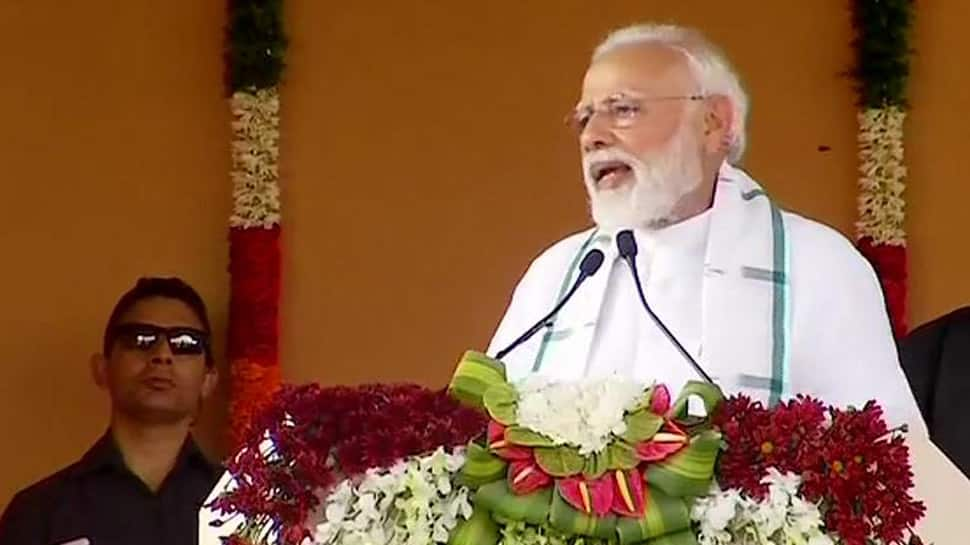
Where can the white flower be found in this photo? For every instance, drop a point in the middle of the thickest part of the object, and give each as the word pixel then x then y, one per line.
pixel 821 539
pixel 255 158
pixel 714 513
pixel 585 415
pixel 337 511
pixel 417 501
pixel 787 483
pixel 882 175
pixel 782 518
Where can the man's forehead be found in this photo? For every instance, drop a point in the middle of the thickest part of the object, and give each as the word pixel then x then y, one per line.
pixel 162 311
pixel 647 69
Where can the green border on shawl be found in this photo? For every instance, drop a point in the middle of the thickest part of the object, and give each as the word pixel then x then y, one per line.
pixel 779 308
pixel 780 304
pixel 562 293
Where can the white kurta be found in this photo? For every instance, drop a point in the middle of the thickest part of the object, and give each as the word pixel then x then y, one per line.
pixel 841 348
pixel 670 268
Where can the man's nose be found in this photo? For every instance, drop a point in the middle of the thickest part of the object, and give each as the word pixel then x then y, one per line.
pixel 596 135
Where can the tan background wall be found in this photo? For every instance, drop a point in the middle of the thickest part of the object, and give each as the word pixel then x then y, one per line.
pixel 425 164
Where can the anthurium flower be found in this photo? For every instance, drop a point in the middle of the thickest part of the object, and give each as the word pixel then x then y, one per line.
pixel 526 477
pixel 502 448
pixel 665 443
pixel 590 497
pixel 660 400
pixel 629 493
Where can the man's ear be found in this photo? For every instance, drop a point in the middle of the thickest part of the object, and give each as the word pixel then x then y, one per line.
pixel 210 381
pixel 718 124
pixel 99 370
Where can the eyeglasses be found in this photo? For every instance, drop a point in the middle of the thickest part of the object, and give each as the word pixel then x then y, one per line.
pixel 182 341
pixel 620 112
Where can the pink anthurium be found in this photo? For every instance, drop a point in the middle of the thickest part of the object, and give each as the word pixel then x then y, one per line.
pixel 590 497
pixel 629 493
pixel 502 448
pixel 665 443
pixel 526 477
pixel 660 400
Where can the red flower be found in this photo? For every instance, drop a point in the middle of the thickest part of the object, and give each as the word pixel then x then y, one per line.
pixel 862 471
pixel 590 497
pixel 629 493
pixel 660 400
pixel 526 477
pixel 758 438
pixel 663 444
pixel 321 435
pixel 502 448
pixel 857 468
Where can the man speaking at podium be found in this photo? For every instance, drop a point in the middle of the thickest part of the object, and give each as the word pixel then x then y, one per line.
pixel 768 303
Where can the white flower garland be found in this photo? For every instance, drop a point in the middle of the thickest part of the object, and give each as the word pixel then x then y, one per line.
pixel 255 158
pixel 582 414
pixel 416 502
pixel 783 518
pixel 882 175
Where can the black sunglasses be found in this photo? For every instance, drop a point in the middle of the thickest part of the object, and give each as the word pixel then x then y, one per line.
pixel 182 341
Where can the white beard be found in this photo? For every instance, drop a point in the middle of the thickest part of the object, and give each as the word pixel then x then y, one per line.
pixel 661 181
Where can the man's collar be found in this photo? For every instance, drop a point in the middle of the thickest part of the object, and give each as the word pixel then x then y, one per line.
pixel 106 455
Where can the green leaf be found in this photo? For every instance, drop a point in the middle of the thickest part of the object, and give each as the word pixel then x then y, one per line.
pixel 563 461
pixel 480 529
pixel 644 402
pixel 882 42
pixel 710 394
pixel 481 467
pixel 662 516
pixel 621 456
pixel 475 374
pixel 689 472
pixel 685 537
pixel 564 518
pixel 499 499
pixel 256 44
pixel 500 401
pixel 527 438
pixel 641 426
pixel 597 464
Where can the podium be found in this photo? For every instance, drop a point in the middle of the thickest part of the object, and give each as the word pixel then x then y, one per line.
pixel 938 483
pixel 945 491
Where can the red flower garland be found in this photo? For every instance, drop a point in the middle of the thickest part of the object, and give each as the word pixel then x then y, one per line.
pixel 253 347
pixel 851 462
pixel 892 267
pixel 322 435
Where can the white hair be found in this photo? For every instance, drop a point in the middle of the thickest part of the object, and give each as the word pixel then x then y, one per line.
pixel 708 64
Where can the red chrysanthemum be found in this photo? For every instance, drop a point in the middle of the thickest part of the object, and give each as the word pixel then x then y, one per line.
pixel 850 462
pixel 320 435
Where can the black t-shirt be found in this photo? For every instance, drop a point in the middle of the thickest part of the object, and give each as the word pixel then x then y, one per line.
pixel 100 499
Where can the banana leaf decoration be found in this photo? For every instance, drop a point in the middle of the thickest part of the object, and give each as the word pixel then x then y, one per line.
pixel 638 490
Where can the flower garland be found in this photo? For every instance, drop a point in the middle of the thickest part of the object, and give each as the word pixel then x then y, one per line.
pixel 255 47
pixel 882 50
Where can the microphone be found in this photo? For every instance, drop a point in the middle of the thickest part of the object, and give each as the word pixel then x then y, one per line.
pixel 587 267
pixel 627 245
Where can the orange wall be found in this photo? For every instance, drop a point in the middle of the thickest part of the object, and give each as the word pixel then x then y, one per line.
pixel 425 164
